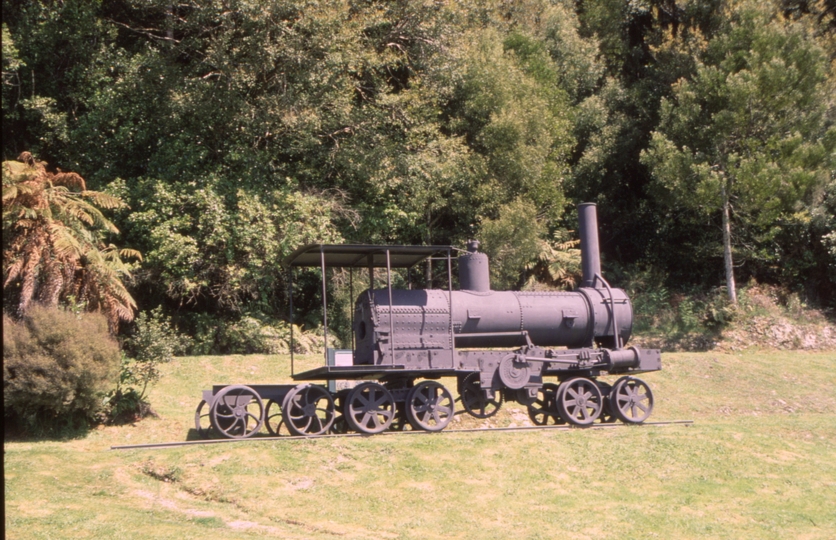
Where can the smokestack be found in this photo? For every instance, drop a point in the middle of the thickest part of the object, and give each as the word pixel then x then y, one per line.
pixel 590 253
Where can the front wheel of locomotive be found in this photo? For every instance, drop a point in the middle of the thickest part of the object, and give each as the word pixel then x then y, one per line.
pixel 474 400
pixel 544 409
pixel 430 406
pixel 631 400
pixel 607 415
pixel 579 401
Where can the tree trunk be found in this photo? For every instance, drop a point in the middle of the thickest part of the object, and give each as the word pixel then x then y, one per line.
pixel 727 251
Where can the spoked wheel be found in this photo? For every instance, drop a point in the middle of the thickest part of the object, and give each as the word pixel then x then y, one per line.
pixel 237 412
pixel 607 416
pixel 430 406
pixel 273 419
pixel 309 410
pixel 400 422
pixel 370 408
pixel 579 401
pixel 340 424
pixel 202 422
pixel 631 400
pixel 544 409
pixel 474 400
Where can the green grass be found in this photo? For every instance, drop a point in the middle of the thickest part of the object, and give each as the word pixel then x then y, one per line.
pixel 758 463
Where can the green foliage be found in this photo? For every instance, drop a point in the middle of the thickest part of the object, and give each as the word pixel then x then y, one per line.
pixel 558 264
pixel 511 242
pixel 747 130
pixel 238 133
pixel 824 231
pixel 154 342
pixel 56 367
pixel 223 250
pixel 254 333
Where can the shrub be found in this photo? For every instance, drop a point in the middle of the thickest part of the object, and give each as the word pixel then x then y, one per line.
pixel 254 333
pixel 56 367
pixel 153 342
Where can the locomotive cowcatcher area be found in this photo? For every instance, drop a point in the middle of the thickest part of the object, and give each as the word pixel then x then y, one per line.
pixel 542 350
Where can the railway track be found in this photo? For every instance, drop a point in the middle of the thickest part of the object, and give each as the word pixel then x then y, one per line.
pixel 174 444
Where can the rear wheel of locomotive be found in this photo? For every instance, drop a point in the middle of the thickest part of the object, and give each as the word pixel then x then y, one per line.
pixel 579 401
pixel 273 419
pixel 309 410
pixel 370 408
pixel 202 423
pixel 237 412
pixel 631 400
pixel 430 406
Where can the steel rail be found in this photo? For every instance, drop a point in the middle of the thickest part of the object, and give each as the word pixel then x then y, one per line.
pixel 414 432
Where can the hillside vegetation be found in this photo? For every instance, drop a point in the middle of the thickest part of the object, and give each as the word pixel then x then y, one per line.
pixel 218 136
pixel 756 463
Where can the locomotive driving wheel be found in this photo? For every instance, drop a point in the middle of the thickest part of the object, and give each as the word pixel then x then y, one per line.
pixel 430 406
pixel 544 409
pixel 607 416
pixel 579 401
pixel 237 412
pixel 309 410
pixel 631 400
pixel 370 408
pixel 474 400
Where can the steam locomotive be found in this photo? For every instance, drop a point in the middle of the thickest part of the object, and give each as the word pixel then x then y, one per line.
pixel 498 345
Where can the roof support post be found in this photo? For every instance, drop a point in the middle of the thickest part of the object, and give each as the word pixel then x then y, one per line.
pixel 290 294
pixel 391 318
pixel 324 303
pixel 351 299
pixel 450 307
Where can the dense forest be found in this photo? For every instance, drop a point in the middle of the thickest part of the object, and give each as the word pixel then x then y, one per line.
pixel 216 136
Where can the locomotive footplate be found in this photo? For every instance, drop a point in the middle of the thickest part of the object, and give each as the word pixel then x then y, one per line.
pixel 370 372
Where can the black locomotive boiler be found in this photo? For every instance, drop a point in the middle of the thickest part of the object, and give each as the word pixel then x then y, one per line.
pixel 544 350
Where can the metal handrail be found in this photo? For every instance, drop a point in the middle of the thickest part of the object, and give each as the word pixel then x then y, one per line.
pixel 612 309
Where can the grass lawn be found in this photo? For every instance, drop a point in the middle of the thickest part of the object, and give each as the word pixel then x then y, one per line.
pixel 759 462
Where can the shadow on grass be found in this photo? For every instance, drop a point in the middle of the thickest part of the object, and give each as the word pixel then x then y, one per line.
pixel 37 429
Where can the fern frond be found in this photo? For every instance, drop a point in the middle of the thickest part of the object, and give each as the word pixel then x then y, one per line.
pixel 69 179
pixel 10 193
pixel 13 271
pixel 66 245
pixel 104 200
pixel 132 253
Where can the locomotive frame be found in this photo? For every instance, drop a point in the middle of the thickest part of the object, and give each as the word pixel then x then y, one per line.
pixel 499 345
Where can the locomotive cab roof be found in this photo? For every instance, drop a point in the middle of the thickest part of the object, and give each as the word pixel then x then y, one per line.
pixel 363 255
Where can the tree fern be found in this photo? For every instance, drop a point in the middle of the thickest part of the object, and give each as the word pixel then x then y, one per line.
pixel 54 242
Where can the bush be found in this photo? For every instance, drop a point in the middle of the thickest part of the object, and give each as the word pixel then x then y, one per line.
pixel 254 333
pixel 153 342
pixel 56 368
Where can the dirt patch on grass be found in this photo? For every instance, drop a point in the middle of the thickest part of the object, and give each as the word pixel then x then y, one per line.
pixel 776 332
